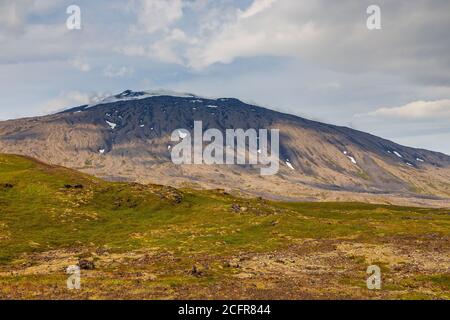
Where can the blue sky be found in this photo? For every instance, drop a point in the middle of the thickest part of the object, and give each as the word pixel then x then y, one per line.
pixel 313 58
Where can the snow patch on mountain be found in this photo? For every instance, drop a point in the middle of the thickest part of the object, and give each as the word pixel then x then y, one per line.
pixel 288 163
pixel 398 154
pixel 129 95
pixel 353 160
pixel 111 125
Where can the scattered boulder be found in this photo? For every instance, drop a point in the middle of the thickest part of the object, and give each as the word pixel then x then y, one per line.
pixel 197 271
pixel 126 202
pixel 244 275
pixel 86 264
pixel 232 264
pixel 171 194
pixel 76 186
pixel 177 198
pixel 101 252
pixel 236 208
pixel 149 277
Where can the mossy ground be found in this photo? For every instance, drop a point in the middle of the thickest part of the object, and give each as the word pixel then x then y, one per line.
pixel 145 240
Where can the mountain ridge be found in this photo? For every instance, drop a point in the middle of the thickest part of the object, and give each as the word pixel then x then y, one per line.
pixel 318 161
pixel 168 93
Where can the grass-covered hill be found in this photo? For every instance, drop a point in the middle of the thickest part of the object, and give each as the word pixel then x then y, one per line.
pixel 155 242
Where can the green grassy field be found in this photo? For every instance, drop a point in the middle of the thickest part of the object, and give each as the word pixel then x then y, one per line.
pixel 156 242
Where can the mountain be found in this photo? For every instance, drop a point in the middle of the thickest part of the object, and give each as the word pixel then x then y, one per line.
pixel 126 137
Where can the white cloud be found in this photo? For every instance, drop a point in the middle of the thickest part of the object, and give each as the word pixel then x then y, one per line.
pixel 132 50
pixel 220 32
pixel 296 29
pixel 13 13
pixel 257 7
pixel 71 99
pixel 34 31
pixel 117 72
pixel 166 49
pixel 10 17
pixel 329 33
pixel 155 15
pixel 80 64
pixel 439 109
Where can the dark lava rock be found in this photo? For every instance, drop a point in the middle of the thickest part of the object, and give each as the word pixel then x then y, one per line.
pixel 86 264
pixel 76 186
pixel 236 208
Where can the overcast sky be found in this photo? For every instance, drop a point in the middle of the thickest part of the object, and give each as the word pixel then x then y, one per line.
pixel 313 58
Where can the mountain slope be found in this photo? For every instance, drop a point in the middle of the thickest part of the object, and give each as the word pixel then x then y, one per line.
pixel 126 137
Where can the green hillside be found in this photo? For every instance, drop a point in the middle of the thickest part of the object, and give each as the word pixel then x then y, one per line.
pixel 153 242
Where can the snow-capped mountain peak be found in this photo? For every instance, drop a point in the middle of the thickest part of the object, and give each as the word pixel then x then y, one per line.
pixel 128 95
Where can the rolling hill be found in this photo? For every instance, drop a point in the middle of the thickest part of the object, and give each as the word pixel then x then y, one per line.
pixel 137 241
